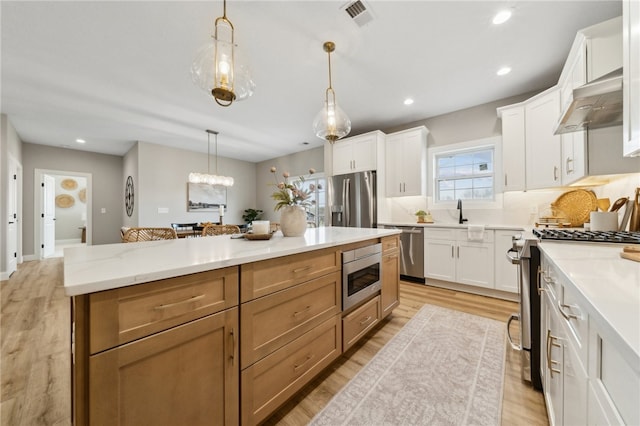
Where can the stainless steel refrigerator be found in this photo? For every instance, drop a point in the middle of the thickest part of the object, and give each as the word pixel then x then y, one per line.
pixel 352 200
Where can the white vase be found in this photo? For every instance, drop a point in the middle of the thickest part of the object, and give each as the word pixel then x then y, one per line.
pixel 293 221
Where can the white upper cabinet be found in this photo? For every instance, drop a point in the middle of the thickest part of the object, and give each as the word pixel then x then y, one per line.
pixel 406 162
pixel 513 151
pixel 356 154
pixel 542 148
pixel 631 77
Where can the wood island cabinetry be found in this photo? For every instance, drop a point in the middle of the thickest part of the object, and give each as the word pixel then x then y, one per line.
pixel 226 346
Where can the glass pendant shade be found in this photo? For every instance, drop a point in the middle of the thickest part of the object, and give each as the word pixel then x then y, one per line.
pixel 331 123
pixel 208 178
pixel 220 68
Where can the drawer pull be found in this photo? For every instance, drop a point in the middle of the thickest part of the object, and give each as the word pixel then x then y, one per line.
pixel 305 268
pixel 295 314
pixel 189 300
pixel 366 320
pixel 569 316
pixel 296 367
pixel 233 348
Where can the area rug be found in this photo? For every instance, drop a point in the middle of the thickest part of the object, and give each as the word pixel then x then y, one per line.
pixel 444 367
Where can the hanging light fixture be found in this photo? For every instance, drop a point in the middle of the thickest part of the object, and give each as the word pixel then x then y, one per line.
pixel 208 177
pixel 219 68
pixel 331 123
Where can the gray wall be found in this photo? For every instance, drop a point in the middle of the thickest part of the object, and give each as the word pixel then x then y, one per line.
pixel 107 190
pixel 296 164
pixel 10 146
pixel 162 183
pixel 130 168
pixel 473 123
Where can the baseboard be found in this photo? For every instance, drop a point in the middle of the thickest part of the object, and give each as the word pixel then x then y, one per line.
pixel 69 241
pixel 4 276
pixel 498 294
pixel 30 257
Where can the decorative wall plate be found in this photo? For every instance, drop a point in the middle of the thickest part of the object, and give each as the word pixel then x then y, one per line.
pixel 69 184
pixel 65 201
pixel 82 195
pixel 129 196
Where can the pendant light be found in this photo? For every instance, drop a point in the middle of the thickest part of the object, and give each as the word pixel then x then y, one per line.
pixel 331 123
pixel 208 177
pixel 219 68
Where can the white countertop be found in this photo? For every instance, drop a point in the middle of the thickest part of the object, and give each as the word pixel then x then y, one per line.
pixel 609 284
pixel 455 225
pixel 104 267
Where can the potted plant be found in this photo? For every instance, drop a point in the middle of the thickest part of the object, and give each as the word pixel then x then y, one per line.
pixel 421 215
pixel 251 214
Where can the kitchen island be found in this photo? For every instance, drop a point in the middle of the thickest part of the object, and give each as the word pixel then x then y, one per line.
pixel 213 329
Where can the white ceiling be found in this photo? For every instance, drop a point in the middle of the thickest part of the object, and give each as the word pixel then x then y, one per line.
pixel 114 73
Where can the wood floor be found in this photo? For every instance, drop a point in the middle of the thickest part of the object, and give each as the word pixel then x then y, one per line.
pixel 35 361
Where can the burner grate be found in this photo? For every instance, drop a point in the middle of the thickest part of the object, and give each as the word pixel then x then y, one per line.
pixel 588 236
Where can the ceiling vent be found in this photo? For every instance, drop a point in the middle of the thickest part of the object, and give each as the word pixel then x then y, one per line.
pixel 358 12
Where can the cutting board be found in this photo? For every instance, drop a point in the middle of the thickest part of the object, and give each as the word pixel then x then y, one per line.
pixel 631 253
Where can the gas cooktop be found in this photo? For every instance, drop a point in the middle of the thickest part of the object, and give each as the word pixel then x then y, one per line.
pixel 588 236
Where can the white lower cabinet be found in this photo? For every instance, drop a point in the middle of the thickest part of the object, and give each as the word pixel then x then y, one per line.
pixel 586 379
pixel 451 256
pixel 506 273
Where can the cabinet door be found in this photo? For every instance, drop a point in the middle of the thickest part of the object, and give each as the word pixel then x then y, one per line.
pixel 574 388
pixel 406 159
pixel 506 273
pixel 194 367
pixel 364 153
pixel 574 156
pixel 474 264
pixel 553 370
pixel 390 292
pixel 440 262
pixel 631 76
pixel 513 143
pixel 342 157
pixel 543 147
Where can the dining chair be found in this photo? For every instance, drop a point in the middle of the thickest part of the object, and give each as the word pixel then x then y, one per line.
pixel 210 230
pixel 133 235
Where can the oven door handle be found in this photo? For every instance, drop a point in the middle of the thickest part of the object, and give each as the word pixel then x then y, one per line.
pixel 513 256
pixel 513 345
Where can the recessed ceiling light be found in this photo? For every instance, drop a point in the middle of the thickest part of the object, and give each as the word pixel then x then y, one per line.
pixel 408 101
pixel 501 17
pixel 81 141
pixel 504 71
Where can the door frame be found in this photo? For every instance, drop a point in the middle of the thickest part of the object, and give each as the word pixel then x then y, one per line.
pixel 38 202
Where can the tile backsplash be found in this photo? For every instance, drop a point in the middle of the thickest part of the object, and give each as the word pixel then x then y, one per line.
pixel 515 208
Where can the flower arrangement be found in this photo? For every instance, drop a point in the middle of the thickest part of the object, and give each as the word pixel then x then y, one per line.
pixel 292 193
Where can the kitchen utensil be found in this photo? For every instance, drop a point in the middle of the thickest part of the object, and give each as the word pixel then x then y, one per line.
pixel 627 215
pixel 634 223
pixel 576 205
pixel 617 205
pixel 603 204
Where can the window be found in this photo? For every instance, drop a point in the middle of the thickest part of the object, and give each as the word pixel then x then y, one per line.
pixel 315 212
pixel 465 174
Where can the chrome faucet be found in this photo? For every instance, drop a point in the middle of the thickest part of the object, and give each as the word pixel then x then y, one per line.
pixel 461 220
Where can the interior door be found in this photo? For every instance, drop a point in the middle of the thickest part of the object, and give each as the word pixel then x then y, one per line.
pixel 12 216
pixel 48 216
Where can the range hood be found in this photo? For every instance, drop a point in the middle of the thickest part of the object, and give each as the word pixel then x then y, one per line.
pixel 596 104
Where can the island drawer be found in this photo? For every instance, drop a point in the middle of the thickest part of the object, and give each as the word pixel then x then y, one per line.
pixel 271 322
pixel 357 323
pixel 125 314
pixel 390 243
pixel 268 276
pixel 270 382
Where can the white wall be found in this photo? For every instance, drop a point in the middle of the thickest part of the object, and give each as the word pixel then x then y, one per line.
pixel 162 184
